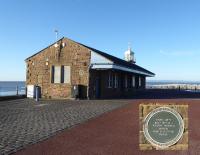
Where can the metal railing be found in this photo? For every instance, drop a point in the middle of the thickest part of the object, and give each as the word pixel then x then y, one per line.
pixel 186 87
pixel 12 90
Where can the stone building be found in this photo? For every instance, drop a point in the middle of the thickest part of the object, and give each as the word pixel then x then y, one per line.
pixel 66 63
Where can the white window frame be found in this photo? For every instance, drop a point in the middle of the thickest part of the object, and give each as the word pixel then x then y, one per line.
pixel 57 79
pixel 133 81
pixel 110 80
pixel 58 74
pixel 67 74
pixel 140 81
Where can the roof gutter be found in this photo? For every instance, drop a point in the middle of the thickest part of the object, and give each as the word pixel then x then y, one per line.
pixel 118 67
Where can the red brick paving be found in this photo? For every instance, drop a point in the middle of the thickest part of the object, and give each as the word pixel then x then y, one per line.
pixel 114 133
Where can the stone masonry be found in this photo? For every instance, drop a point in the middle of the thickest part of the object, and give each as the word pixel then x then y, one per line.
pixel 67 53
pixel 92 82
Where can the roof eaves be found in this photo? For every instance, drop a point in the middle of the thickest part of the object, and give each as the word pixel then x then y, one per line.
pixel 108 56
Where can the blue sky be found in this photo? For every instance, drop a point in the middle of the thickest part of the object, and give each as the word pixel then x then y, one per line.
pixel 164 34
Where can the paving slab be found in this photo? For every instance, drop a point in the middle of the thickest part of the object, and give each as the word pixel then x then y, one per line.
pixel 115 133
pixel 24 122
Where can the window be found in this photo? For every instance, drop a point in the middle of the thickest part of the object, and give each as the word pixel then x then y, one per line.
pixel 66 74
pixel 116 81
pixel 140 81
pixel 133 81
pixel 57 74
pixel 126 82
pixel 110 80
pixel 60 74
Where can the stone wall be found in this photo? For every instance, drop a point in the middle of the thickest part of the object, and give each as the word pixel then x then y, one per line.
pixel 67 53
pixel 145 109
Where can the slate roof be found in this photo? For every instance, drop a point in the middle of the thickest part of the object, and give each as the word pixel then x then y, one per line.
pixel 119 61
pixel 116 60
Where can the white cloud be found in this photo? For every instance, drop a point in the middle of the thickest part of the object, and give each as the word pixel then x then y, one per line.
pixel 178 53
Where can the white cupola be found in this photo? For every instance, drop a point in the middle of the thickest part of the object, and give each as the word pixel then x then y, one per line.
pixel 129 55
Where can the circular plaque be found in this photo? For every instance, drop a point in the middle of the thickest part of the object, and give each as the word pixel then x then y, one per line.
pixel 163 127
pixel 81 72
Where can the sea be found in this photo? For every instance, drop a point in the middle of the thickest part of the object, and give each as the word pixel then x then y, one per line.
pixel 10 88
pixel 165 82
pixel 173 84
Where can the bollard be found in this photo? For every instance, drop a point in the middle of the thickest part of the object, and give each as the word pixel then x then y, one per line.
pixel 37 94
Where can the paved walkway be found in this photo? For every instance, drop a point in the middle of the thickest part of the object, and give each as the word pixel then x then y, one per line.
pixel 24 122
pixel 114 133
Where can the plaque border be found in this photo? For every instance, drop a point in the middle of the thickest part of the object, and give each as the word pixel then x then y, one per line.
pixel 173 141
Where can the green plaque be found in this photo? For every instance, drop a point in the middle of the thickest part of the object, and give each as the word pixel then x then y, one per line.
pixel 163 127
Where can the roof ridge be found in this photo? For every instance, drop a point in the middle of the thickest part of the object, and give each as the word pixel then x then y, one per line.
pixel 111 56
pixel 115 59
